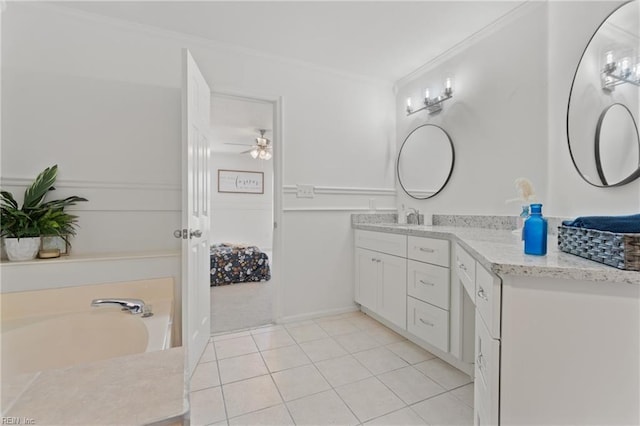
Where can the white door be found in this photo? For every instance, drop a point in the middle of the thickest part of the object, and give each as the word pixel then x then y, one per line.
pixel 195 210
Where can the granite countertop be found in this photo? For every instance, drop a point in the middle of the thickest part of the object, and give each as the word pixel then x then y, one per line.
pixel 136 389
pixel 501 251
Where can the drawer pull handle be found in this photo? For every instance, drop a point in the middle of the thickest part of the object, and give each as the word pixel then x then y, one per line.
pixel 427 283
pixel 482 294
pixel 426 250
pixel 427 323
pixel 480 360
pixel 462 266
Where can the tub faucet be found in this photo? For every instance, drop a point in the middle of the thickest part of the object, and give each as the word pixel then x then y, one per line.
pixel 135 306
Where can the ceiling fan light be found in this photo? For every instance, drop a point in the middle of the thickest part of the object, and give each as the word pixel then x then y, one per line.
pixel 254 153
pixel 267 155
pixel 263 154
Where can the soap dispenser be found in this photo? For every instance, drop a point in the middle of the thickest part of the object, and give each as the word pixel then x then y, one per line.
pixel 535 232
pixel 402 216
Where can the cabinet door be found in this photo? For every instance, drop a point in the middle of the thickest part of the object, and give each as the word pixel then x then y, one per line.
pixel 367 278
pixel 392 296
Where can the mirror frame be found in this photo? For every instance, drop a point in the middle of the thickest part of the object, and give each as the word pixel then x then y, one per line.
pixel 601 175
pixel 633 176
pixel 453 162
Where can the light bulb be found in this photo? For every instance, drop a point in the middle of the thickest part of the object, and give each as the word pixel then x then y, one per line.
pixel 609 57
pixel 426 94
pixel 254 153
pixel 262 154
pixel 447 83
pixel 267 155
pixel 625 67
pixel 408 102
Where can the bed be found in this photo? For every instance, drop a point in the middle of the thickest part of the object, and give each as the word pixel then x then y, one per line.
pixel 233 263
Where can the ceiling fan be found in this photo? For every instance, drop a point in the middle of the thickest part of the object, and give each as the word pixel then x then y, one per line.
pixel 262 149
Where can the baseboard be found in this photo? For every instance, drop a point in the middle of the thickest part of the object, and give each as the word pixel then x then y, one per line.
pixel 316 314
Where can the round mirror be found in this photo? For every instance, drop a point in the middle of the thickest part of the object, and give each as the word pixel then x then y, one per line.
pixel 617 148
pixel 425 161
pixel 604 102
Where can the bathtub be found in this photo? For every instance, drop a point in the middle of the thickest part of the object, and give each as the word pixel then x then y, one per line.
pixel 58 328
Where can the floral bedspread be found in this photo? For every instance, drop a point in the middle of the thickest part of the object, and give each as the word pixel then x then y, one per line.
pixel 235 264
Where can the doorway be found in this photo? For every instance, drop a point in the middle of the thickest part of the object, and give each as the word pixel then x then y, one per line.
pixel 242 212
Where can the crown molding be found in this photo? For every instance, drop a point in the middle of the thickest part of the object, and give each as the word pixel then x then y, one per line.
pixel 498 24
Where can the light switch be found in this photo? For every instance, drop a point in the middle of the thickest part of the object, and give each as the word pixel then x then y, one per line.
pixel 304 191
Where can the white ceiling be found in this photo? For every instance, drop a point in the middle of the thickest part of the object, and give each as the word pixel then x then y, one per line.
pixel 380 39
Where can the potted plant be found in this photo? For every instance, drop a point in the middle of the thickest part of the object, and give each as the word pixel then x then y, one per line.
pixel 23 226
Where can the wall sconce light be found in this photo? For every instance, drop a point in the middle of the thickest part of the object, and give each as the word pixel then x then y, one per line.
pixel 432 105
pixel 617 73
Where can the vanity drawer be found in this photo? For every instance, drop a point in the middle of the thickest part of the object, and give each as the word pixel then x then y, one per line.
pixel 428 283
pixel 487 373
pixel 488 300
pixel 429 250
pixel 466 270
pixel 428 322
pixel 394 244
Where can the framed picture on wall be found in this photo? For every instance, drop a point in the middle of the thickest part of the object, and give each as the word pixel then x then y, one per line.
pixel 240 181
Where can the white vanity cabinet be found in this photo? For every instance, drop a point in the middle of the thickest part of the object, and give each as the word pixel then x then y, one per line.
pixel 381 275
pixel 484 291
pixel 428 288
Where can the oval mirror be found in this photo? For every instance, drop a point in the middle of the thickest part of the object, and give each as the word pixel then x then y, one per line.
pixel 617 147
pixel 604 102
pixel 425 161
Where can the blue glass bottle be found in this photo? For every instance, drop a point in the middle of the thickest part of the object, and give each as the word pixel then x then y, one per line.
pixel 535 232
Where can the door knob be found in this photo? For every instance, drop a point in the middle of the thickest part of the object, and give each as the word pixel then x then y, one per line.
pixel 197 233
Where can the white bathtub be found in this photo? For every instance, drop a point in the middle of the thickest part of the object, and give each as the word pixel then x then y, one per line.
pixel 35 338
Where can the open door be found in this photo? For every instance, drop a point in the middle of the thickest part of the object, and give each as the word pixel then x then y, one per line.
pixel 196 193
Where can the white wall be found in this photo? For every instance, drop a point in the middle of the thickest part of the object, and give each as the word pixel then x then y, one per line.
pixel 496 118
pixel 242 218
pixel 508 115
pixel 113 91
pixel 569 195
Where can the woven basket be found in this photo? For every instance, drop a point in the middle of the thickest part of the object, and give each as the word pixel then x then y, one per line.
pixel 621 251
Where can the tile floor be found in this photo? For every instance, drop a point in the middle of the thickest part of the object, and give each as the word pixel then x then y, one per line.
pixel 341 370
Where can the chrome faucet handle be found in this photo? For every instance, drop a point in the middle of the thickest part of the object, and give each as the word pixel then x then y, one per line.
pixel 135 306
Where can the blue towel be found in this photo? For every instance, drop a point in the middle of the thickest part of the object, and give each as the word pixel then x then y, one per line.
pixel 618 224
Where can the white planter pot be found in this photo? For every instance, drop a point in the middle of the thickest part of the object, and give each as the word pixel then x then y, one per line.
pixel 22 248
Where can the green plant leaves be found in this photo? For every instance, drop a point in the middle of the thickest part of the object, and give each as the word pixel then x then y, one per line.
pixel 34 194
pixel 37 217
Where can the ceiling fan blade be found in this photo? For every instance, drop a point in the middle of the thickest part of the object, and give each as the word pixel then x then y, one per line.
pixel 239 144
pixel 247 151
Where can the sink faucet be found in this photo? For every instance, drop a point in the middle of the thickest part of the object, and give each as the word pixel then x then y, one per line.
pixel 413 217
pixel 135 306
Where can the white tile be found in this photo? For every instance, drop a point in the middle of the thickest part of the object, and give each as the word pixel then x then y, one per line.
pixel 410 385
pixel 369 398
pixel 385 336
pixel 295 324
pixel 206 406
pixel 444 410
pixel 403 417
pixel 337 326
pixel 241 367
pixel 380 360
pixel 250 395
pixel 324 408
pixel 273 339
pixel 443 374
pixel 308 332
pixel 205 376
pixel 209 353
pixel 319 350
pixel 272 416
pixel 283 358
pixel 300 381
pixel 227 336
pixel 464 394
pixel 343 370
pixel 410 352
pixel 356 342
pixel 234 347
pixel 364 322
